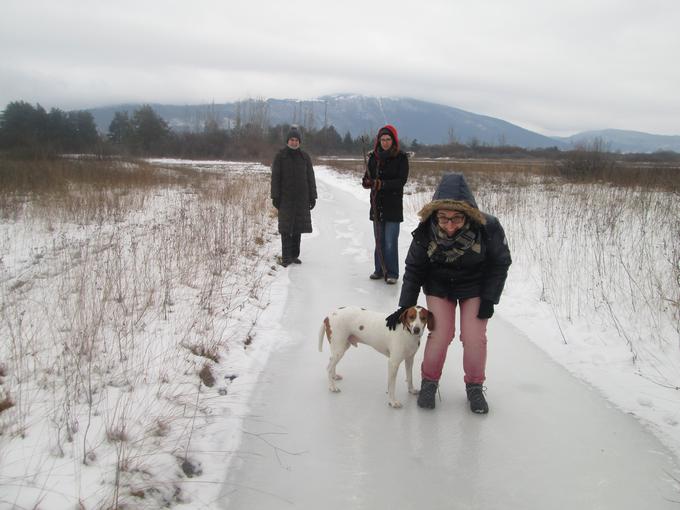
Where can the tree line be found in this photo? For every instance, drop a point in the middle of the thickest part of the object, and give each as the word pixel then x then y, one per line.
pixel 27 130
pixel 31 131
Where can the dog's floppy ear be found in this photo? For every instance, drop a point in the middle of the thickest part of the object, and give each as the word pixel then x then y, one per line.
pixel 430 320
pixel 403 318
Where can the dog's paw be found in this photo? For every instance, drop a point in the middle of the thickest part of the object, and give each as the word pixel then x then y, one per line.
pixel 413 391
pixel 337 377
pixel 334 389
pixel 395 404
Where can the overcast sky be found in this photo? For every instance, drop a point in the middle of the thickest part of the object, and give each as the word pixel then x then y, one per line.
pixel 553 68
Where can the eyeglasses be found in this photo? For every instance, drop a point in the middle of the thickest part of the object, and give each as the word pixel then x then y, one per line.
pixel 456 219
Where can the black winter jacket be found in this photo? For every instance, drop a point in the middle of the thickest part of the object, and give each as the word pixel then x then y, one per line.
pixel 477 273
pixel 393 174
pixel 293 188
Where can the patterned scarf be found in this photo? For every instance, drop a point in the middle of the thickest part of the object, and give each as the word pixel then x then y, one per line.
pixel 445 249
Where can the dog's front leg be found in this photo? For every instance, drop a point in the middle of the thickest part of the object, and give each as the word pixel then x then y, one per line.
pixel 409 375
pixel 392 369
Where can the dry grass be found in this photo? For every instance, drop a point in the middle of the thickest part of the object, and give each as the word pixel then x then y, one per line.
pixel 113 268
pixel 427 172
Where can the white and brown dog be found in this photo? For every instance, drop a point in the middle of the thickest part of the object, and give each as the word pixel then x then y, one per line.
pixel 351 325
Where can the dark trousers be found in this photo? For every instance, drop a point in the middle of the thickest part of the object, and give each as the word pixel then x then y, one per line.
pixel 290 246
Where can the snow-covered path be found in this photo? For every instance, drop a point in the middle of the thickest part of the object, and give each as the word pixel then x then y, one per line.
pixel 549 442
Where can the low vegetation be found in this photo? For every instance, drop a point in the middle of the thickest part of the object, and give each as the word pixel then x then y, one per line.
pixel 122 287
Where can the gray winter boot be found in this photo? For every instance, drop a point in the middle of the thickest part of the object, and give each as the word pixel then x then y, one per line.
pixel 428 390
pixel 475 394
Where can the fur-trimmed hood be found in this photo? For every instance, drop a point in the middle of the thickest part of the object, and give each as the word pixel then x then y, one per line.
pixel 453 194
pixel 447 204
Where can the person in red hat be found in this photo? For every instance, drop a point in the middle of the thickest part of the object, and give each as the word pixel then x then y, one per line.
pixel 386 175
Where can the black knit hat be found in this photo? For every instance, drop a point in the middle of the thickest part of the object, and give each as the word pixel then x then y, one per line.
pixel 385 131
pixel 294 132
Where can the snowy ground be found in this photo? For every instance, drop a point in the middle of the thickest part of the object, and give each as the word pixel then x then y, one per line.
pixel 59 455
pixel 549 442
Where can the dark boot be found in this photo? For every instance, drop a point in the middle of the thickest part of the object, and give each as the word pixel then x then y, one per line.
pixel 475 394
pixel 428 391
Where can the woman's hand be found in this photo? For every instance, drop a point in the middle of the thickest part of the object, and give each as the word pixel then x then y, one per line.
pixel 392 320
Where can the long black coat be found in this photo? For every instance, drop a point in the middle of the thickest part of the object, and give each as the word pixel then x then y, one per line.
pixel 393 174
pixel 293 188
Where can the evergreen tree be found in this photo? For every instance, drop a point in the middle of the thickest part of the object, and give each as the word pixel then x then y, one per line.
pixel 120 129
pixel 150 132
pixel 348 143
pixel 19 125
pixel 83 130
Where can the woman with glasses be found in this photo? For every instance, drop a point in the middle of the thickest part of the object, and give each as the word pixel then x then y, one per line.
pixel 386 177
pixel 459 257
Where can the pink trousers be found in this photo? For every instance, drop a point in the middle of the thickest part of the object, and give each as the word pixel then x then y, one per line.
pixel 472 335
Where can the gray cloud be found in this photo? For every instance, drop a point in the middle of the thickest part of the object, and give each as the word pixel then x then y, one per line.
pixel 556 69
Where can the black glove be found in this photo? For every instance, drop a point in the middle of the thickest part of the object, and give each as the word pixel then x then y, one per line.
pixel 275 202
pixel 312 203
pixel 367 182
pixel 392 320
pixel 485 309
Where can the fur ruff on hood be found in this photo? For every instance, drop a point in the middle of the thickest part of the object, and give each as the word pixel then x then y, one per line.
pixel 448 204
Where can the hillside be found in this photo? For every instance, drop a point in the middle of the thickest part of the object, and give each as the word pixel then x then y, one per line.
pixel 428 123
pixel 416 120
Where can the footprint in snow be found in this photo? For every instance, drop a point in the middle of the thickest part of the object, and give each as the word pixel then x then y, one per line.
pixel 645 402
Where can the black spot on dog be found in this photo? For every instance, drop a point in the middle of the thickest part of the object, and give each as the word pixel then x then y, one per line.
pixel 361 327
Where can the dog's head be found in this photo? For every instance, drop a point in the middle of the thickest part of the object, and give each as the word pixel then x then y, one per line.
pixel 415 318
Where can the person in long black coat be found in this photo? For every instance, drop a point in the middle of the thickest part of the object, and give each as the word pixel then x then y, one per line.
pixel 460 258
pixel 386 177
pixel 293 193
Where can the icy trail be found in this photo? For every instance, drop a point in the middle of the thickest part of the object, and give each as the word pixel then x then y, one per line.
pixel 549 442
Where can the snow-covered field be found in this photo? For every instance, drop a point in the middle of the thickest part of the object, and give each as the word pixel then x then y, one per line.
pixel 122 333
pixel 132 340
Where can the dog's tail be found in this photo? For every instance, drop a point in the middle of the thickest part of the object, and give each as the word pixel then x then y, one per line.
pixel 324 330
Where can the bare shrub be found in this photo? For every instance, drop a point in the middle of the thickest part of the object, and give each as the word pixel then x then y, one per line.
pixel 115 267
pixel 589 162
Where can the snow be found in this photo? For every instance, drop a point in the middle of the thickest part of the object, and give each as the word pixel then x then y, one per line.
pixel 604 433
pixel 550 441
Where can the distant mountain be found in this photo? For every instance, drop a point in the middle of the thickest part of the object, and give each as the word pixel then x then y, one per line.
pixel 425 122
pixel 617 140
pixel 415 120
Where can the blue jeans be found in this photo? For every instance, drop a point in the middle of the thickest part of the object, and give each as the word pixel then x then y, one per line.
pixel 387 232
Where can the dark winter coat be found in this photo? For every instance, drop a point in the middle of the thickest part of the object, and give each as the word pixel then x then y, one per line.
pixel 293 190
pixel 392 170
pixel 480 272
